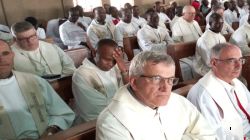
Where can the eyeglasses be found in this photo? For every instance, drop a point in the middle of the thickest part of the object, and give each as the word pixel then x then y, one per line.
pixel 5 53
pixel 232 61
pixel 158 79
pixel 32 37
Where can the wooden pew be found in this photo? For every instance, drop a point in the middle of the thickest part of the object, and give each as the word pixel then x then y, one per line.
pixel 178 51
pixel 130 43
pixel 63 86
pixel 85 131
pixel 183 91
pixel 77 55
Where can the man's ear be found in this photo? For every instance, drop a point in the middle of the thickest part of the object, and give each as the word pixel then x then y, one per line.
pixel 133 83
pixel 213 62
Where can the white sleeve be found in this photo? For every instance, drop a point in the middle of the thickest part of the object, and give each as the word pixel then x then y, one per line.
pixel 59 113
pixel 118 33
pixel 241 40
pixel 65 37
pixel 92 37
pixel 67 63
pixel 146 43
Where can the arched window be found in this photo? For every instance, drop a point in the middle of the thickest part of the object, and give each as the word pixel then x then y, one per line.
pixel 120 3
pixel 88 5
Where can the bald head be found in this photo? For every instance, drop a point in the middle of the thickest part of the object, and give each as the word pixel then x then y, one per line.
pixel 6 60
pixel 188 13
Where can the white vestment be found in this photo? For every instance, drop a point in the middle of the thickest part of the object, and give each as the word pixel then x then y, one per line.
pixel 72 35
pixel 46 59
pixel 163 17
pixel 243 11
pixel 20 117
pixel 93 89
pixel 40 32
pixel 126 118
pixel 203 50
pixel 184 31
pixel 215 99
pixel 173 22
pixel 153 39
pixel 241 37
pixel 140 22
pixel 5 33
pixel 208 16
pixel 123 30
pixel 230 16
pixel 53 31
pixel 244 19
pixel 97 32
pixel 86 20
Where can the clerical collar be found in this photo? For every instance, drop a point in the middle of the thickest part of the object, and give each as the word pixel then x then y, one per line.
pixel 100 22
pixel 7 80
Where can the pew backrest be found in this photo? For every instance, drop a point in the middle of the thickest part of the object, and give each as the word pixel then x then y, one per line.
pixel 77 55
pixel 183 91
pixel 85 131
pixel 178 51
pixel 130 43
pixel 63 87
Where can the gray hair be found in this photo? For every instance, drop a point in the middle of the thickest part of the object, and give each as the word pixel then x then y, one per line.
pixel 141 59
pixel 21 27
pixel 216 50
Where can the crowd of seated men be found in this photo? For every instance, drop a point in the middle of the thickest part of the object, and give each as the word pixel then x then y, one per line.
pixel 128 97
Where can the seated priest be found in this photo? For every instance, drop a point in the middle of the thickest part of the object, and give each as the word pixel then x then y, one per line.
pixel 95 83
pixel 29 107
pixel 146 109
pixel 36 56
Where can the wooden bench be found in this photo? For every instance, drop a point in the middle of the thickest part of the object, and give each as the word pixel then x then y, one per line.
pixel 63 86
pixel 77 55
pixel 178 51
pixel 130 43
pixel 85 131
pixel 183 91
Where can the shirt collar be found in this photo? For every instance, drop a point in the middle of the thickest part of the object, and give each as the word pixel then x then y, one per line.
pixel 227 86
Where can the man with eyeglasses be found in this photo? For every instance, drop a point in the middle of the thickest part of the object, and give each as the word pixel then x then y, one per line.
pixel 222 99
pixel 36 56
pixel 146 109
pixel 29 107
pixel 186 28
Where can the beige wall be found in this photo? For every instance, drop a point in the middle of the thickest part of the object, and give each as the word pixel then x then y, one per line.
pixel 17 10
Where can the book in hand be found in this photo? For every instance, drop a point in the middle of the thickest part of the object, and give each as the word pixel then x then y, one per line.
pixel 51 76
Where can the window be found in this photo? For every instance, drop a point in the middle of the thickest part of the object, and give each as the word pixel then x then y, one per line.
pixel 88 5
pixel 120 3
